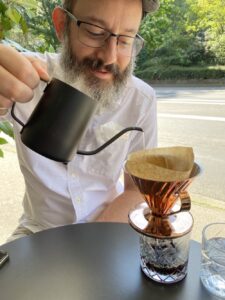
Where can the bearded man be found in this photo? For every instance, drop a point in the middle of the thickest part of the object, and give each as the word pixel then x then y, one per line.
pixel 99 44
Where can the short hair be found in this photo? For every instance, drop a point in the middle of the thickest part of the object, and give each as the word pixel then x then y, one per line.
pixel 68 4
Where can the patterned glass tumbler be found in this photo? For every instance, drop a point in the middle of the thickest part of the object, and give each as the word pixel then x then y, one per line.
pixel 164 260
pixel 164 243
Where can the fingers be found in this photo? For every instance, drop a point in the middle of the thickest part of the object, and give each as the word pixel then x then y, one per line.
pixel 19 75
pixel 13 88
pixel 40 67
pixel 5 104
pixel 17 65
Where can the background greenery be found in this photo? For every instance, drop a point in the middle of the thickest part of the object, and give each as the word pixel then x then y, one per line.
pixel 181 34
pixel 185 39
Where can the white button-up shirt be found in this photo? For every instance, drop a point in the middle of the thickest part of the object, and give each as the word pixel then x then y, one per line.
pixel 58 194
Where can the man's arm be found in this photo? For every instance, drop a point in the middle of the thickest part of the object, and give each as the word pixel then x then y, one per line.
pixel 118 210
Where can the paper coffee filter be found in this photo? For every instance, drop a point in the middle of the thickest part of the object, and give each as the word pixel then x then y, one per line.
pixel 161 164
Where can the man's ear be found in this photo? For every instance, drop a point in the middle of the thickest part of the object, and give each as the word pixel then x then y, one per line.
pixel 59 19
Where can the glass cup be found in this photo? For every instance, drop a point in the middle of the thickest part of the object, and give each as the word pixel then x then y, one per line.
pixel 164 243
pixel 164 260
pixel 213 259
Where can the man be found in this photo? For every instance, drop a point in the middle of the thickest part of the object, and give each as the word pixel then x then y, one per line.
pixel 99 44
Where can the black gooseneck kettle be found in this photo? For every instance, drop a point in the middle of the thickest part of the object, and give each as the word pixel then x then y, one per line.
pixel 58 122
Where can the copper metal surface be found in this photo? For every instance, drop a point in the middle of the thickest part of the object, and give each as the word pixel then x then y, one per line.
pixel 162 196
pixel 172 226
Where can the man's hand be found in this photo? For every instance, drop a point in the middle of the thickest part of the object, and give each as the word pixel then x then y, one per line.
pixel 19 75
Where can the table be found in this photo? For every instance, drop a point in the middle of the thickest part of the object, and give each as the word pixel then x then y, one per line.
pixel 92 261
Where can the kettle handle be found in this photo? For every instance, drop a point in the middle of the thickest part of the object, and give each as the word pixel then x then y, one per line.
pixel 13 107
pixel 15 117
pixel 185 201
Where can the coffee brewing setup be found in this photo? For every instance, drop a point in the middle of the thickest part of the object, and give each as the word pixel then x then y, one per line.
pixel 161 175
pixel 163 220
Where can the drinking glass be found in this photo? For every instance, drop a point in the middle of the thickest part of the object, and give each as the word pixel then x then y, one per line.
pixel 164 260
pixel 213 259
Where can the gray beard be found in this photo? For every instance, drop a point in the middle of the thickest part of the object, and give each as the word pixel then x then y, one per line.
pixel 78 74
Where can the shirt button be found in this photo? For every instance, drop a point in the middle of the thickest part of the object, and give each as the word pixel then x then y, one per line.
pixel 78 199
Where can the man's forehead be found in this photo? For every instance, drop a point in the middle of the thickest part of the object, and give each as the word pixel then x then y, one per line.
pixel 110 13
pixel 103 3
pixel 148 6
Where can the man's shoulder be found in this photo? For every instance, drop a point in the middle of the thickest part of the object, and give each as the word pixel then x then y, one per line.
pixel 140 87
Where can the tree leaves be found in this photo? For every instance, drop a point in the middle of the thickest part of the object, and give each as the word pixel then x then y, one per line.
pixel 7 128
pixel 13 14
pixel 3 141
pixel 201 23
pixel 28 4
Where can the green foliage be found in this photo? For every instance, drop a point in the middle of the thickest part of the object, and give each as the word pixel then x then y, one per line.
pixel 168 21
pixel 6 128
pixel 209 15
pixel 217 46
pixel 177 73
pixel 29 23
pixel 210 19
pixel 184 33
pixel 40 25
pixel 155 27
pixel 2 142
pixel 11 17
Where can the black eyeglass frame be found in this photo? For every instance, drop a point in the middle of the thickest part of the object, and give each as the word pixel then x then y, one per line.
pixel 79 22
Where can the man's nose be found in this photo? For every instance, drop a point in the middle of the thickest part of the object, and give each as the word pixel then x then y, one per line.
pixel 108 53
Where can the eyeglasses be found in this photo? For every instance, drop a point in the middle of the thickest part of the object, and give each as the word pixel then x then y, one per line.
pixel 95 36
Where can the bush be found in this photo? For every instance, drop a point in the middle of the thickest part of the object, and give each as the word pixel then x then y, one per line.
pixel 178 50
pixel 181 50
pixel 180 73
pixel 217 47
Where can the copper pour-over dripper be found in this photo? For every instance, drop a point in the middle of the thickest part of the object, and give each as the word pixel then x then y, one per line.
pixel 156 217
pixel 164 227
pixel 162 196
